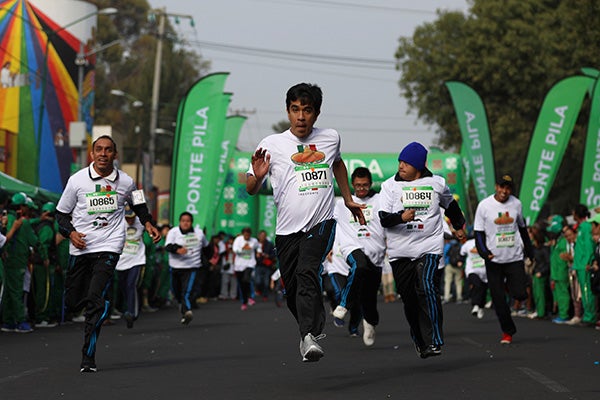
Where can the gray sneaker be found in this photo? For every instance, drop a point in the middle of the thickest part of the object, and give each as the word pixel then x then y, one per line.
pixel 309 349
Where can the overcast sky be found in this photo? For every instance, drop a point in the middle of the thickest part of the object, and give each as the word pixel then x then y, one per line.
pixel 346 47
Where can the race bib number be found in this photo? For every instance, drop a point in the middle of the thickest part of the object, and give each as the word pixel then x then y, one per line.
pixel 367 213
pixel 191 242
pixel 313 177
pixel 101 202
pixel 131 247
pixel 478 262
pixel 505 239
pixel 417 197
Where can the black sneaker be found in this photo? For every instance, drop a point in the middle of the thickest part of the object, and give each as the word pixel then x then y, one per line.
pixel 88 364
pixel 128 319
pixel 431 351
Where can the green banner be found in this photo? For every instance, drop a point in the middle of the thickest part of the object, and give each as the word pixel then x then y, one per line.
pixel 233 127
pixel 267 216
pixel 551 135
pixel 590 177
pixel 384 166
pixel 198 136
pixel 473 124
pixel 237 209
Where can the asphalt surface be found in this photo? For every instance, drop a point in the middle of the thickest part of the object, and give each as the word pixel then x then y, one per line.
pixel 229 354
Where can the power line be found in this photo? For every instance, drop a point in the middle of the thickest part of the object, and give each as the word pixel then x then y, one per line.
pixel 373 7
pixel 296 56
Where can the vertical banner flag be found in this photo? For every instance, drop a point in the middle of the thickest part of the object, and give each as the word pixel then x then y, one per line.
pixel 551 135
pixel 237 209
pixel 233 127
pixel 590 177
pixel 197 139
pixel 473 124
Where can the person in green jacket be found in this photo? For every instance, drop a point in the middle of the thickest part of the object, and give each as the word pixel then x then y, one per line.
pixel 559 269
pixel 582 260
pixel 47 305
pixel 17 258
pixel 148 274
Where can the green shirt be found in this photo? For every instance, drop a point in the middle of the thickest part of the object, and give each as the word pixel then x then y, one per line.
pixel 584 247
pixel 559 268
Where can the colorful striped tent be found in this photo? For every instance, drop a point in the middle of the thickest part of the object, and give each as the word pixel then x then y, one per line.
pixel 38 95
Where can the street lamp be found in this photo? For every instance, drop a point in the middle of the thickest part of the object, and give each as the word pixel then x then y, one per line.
pixel 136 103
pixel 104 11
pixel 81 62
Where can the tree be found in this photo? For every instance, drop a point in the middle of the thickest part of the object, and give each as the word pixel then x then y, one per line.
pixel 281 126
pixel 511 52
pixel 130 67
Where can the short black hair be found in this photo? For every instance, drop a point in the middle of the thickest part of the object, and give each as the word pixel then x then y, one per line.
pixel 307 93
pixel 188 214
pixel 581 211
pixel 361 172
pixel 105 137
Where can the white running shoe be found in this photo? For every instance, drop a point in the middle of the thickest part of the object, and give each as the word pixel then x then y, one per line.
pixel 474 310
pixel 480 313
pixel 340 312
pixel 368 333
pixel 309 349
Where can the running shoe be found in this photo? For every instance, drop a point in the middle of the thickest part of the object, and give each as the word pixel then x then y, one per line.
pixel 244 307
pixel 187 317
pixel 310 349
pixel 88 364
pixel 431 351
pixel 474 310
pixel 251 302
pixel 480 313
pixel 45 324
pixel 506 338
pixel 560 321
pixel 368 333
pixel 8 327
pixel 340 312
pixel 24 327
pixel 128 319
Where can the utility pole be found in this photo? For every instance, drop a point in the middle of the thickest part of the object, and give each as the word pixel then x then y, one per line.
pixel 162 15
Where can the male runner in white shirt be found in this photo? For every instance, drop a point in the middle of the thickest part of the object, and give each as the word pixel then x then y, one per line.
pixel 411 211
pixel 301 164
pixel 91 214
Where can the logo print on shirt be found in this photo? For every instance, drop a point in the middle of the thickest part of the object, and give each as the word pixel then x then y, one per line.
pixel 504 219
pixel 307 155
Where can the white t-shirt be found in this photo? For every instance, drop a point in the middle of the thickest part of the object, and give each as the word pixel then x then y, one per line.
pixel 134 251
pixel 501 222
pixel 97 208
pixel 370 238
pixel 301 174
pixel 338 264
pixel 425 234
pixel 474 264
pixel 245 253
pixel 193 241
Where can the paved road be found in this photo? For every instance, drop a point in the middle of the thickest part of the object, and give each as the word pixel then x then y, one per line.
pixel 229 354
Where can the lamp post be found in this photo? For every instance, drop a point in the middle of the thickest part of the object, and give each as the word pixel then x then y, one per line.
pixel 81 62
pixel 136 103
pixel 104 11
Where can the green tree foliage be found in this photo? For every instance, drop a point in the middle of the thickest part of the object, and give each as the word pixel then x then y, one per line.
pixel 129 67
pixel 281 126
pixel 511 52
